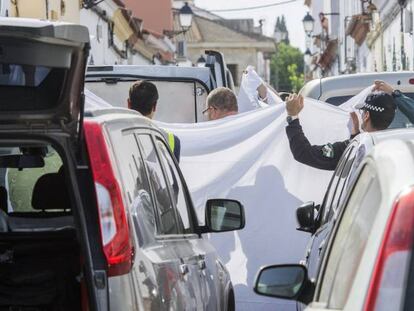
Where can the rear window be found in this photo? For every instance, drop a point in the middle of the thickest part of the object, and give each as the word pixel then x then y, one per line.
pixel 27 87
pixel 24 169
pixel 178 102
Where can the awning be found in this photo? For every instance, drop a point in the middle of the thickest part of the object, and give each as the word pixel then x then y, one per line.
pixel 358 28
pixel 122 28
pixel 328 56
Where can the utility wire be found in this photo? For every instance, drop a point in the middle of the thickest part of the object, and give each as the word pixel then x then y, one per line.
pixel 255 7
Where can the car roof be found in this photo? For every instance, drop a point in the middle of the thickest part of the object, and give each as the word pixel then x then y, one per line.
pixel 47 29
pixel 352 84
pixel 403 134
pixel 394 159
pixel 126 116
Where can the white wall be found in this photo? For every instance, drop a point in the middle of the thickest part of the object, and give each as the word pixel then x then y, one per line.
pixel 4 7
pixel 101 52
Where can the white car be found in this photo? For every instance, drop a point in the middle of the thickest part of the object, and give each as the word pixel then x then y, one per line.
pixel 337 90
pixel 367 263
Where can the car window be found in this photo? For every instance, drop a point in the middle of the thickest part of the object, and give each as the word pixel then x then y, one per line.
pixel 176 187
pixel 330 193
pixel 164 205
pixel 339 193
pixel 350 239
pixel 136 186
pixel 338 100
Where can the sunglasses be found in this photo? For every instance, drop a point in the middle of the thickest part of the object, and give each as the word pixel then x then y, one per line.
pixel 208 108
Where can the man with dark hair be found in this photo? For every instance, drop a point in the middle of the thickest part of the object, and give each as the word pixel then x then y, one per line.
pixel 378 111
pixel 221 102
pixel 143 97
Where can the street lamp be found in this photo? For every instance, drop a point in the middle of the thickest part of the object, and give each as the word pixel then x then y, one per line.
pixel 185 15
pixel 201 61
pixel 308 24
pixel 308 57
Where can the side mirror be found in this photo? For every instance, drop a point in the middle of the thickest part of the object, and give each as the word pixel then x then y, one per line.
pixel 305 216
pixel 286 282
pixel 224 215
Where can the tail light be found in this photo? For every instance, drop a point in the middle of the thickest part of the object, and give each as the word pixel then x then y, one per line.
pixel 116 239
pixel 388 279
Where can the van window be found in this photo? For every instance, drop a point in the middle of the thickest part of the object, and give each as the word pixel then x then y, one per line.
pixel 176 188
pixel 165 208
pixel 179 101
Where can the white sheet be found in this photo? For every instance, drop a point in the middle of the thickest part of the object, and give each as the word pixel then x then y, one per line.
pixel 247 157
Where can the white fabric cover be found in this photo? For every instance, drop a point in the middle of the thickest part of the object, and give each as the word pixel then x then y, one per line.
pixel 247 98
pixel 247 157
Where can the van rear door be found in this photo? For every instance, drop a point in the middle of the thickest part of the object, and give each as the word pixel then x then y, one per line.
pixel 182 90
pixel 42 68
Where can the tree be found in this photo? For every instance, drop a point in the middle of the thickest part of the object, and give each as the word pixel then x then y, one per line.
pixel 283 77
pixel 283 27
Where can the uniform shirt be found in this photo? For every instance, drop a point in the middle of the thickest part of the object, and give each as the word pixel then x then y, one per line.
pixel 174 143
pixel 324 157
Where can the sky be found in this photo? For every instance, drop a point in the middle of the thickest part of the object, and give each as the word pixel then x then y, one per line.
pixel 294 13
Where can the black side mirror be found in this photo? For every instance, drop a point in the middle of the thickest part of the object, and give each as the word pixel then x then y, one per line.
pixel 305 216
pixel 286 282
pixel 223 215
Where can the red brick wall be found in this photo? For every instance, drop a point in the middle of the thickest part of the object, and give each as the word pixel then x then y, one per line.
pixel 156 14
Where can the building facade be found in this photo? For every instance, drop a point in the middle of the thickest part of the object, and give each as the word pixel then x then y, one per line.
pixel 372 36
pixel 241 43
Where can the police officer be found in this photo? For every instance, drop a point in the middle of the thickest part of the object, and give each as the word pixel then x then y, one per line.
pixel 143 97
pixel 378 111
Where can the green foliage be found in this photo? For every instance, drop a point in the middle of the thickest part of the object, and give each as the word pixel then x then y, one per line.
pixel 283 78
pixel 296 80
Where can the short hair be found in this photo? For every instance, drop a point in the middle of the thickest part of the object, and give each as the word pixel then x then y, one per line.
pixel 143 96
pixel 381 107
pixel 223 98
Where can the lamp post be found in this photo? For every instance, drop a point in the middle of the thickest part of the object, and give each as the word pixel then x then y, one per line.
pixel 403 4
pixel 201 61
pixel 308 24
pixel 185 17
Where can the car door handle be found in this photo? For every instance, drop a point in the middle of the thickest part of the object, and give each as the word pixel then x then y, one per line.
pixel 184 269
pixel 201 264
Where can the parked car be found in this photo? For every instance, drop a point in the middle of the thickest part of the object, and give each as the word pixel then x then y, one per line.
pixel 364 257
pixel 182 90
pixel 94 211
pixel 337 90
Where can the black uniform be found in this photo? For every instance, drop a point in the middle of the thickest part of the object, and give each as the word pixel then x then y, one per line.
pixel 324 157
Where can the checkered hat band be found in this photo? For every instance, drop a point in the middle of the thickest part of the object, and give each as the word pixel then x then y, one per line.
pixel 373 108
